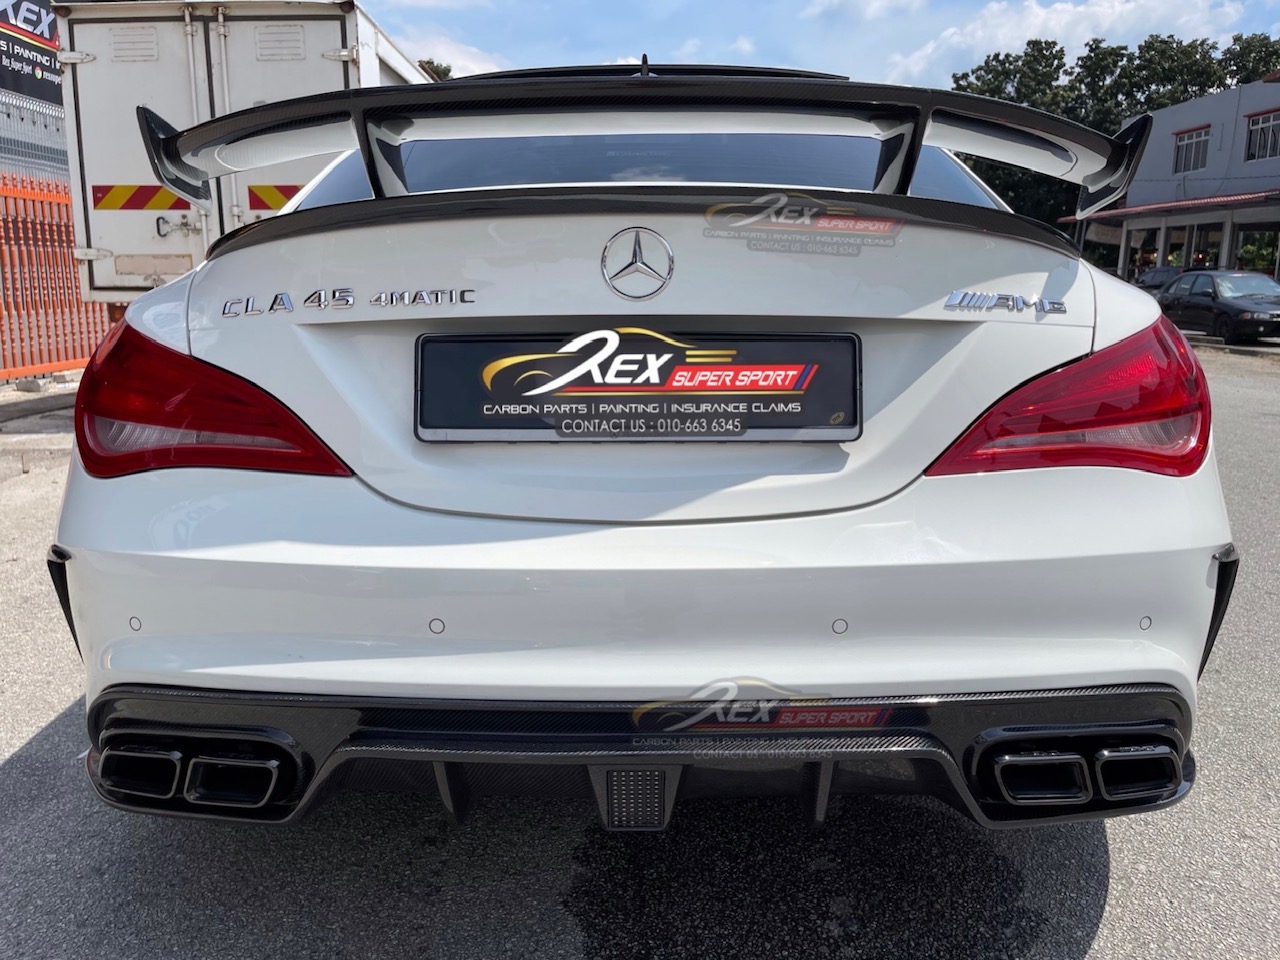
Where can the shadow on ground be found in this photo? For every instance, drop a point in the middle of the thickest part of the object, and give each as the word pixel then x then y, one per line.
pixel 887 877
pixel 372 876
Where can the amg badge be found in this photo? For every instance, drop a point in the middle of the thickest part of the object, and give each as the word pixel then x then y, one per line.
pixel 968 300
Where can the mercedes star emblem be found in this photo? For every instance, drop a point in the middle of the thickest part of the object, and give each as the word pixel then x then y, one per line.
pixel 637 263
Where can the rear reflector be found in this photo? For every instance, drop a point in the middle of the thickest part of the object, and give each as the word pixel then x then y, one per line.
pixel 1141 404
pixel 142 406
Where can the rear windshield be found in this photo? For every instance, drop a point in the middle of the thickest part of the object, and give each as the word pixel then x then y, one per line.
pixel 810 160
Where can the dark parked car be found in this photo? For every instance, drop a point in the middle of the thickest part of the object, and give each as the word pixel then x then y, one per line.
pixel 1230 304
pixel 1153 279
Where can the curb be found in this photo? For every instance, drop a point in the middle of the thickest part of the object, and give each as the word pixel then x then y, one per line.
pixel 1218 344
pixel 16 409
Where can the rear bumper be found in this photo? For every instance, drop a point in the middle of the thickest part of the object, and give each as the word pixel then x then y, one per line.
pixel 634 764
pixel 1027 580
pixel 1256 328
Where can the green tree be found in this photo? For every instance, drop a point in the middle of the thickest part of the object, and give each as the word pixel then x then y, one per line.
pixel 1167 70
pixel 1039 77
pixel 1250 58
pixel 433 68
pixel 1033 79
pixel 996 76
pixel 1106 84
pixel 1099 86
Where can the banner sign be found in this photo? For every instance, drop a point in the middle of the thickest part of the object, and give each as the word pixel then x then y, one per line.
pixel 29 50
pixel 633 384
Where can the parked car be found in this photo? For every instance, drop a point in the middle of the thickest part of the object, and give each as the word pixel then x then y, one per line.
pixel 1231 304
pixel 587 433
pixel 1156 278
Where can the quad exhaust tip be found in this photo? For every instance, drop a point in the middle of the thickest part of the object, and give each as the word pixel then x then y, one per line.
pixel 1119 774
pixel 141 771
pixel 231 781
pixel 1132 773
pixel 244 773
pixel 1043 777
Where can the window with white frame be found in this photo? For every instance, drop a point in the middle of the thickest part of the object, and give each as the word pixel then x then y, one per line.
pixel 1264 136
pixel 1191 150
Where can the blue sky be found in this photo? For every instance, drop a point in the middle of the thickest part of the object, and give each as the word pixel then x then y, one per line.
pixel 903 41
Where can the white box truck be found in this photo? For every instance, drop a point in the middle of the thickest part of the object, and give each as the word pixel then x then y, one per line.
pixel 190 62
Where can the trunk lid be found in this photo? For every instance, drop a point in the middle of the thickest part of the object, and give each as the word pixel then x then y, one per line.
pixel 889 272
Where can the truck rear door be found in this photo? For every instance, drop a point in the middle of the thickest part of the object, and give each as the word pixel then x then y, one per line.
pixel 137 234
pixel 263 59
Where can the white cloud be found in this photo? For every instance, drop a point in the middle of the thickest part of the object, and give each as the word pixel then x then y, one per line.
pixel 465 59
pixel 1005 26
pixel 743 45
pixel 867 9
pixel 439 4
pixel 687 52
pixel 624 60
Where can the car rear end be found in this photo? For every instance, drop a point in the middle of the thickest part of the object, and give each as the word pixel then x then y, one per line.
pixel 644 455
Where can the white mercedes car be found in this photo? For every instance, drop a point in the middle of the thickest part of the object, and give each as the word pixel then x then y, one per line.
pixel 644 435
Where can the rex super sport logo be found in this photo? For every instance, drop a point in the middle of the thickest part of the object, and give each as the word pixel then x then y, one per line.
pixel 750 704
pixel 635 361
pixel 790 223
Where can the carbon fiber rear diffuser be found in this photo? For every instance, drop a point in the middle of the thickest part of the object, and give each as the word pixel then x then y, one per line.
pixel 945 746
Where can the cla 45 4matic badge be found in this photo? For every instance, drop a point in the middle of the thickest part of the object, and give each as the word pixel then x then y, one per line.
pixel 632 383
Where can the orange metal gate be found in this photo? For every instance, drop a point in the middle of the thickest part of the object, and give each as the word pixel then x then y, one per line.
pixel 44 325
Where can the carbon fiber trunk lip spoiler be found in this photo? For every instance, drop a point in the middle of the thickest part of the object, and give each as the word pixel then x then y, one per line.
pixel 907 118
pixel 639 200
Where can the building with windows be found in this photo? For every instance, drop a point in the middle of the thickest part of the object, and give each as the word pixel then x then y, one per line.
pixel 1207 192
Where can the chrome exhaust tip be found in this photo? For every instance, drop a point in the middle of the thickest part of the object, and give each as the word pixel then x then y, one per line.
pixel 1132 773
pixel 140 771
pixel 1043 777
pixel 231 781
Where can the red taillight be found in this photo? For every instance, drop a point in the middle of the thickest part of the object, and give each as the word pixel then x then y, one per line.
pixel 142 406
pixel 1142 403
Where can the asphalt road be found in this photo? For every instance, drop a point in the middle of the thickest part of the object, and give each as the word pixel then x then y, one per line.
pixel 382 876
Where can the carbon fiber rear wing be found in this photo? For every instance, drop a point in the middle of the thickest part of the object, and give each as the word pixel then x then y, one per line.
pixel 376 121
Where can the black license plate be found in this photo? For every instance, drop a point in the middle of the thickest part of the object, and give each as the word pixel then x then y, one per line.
pixel 637 384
